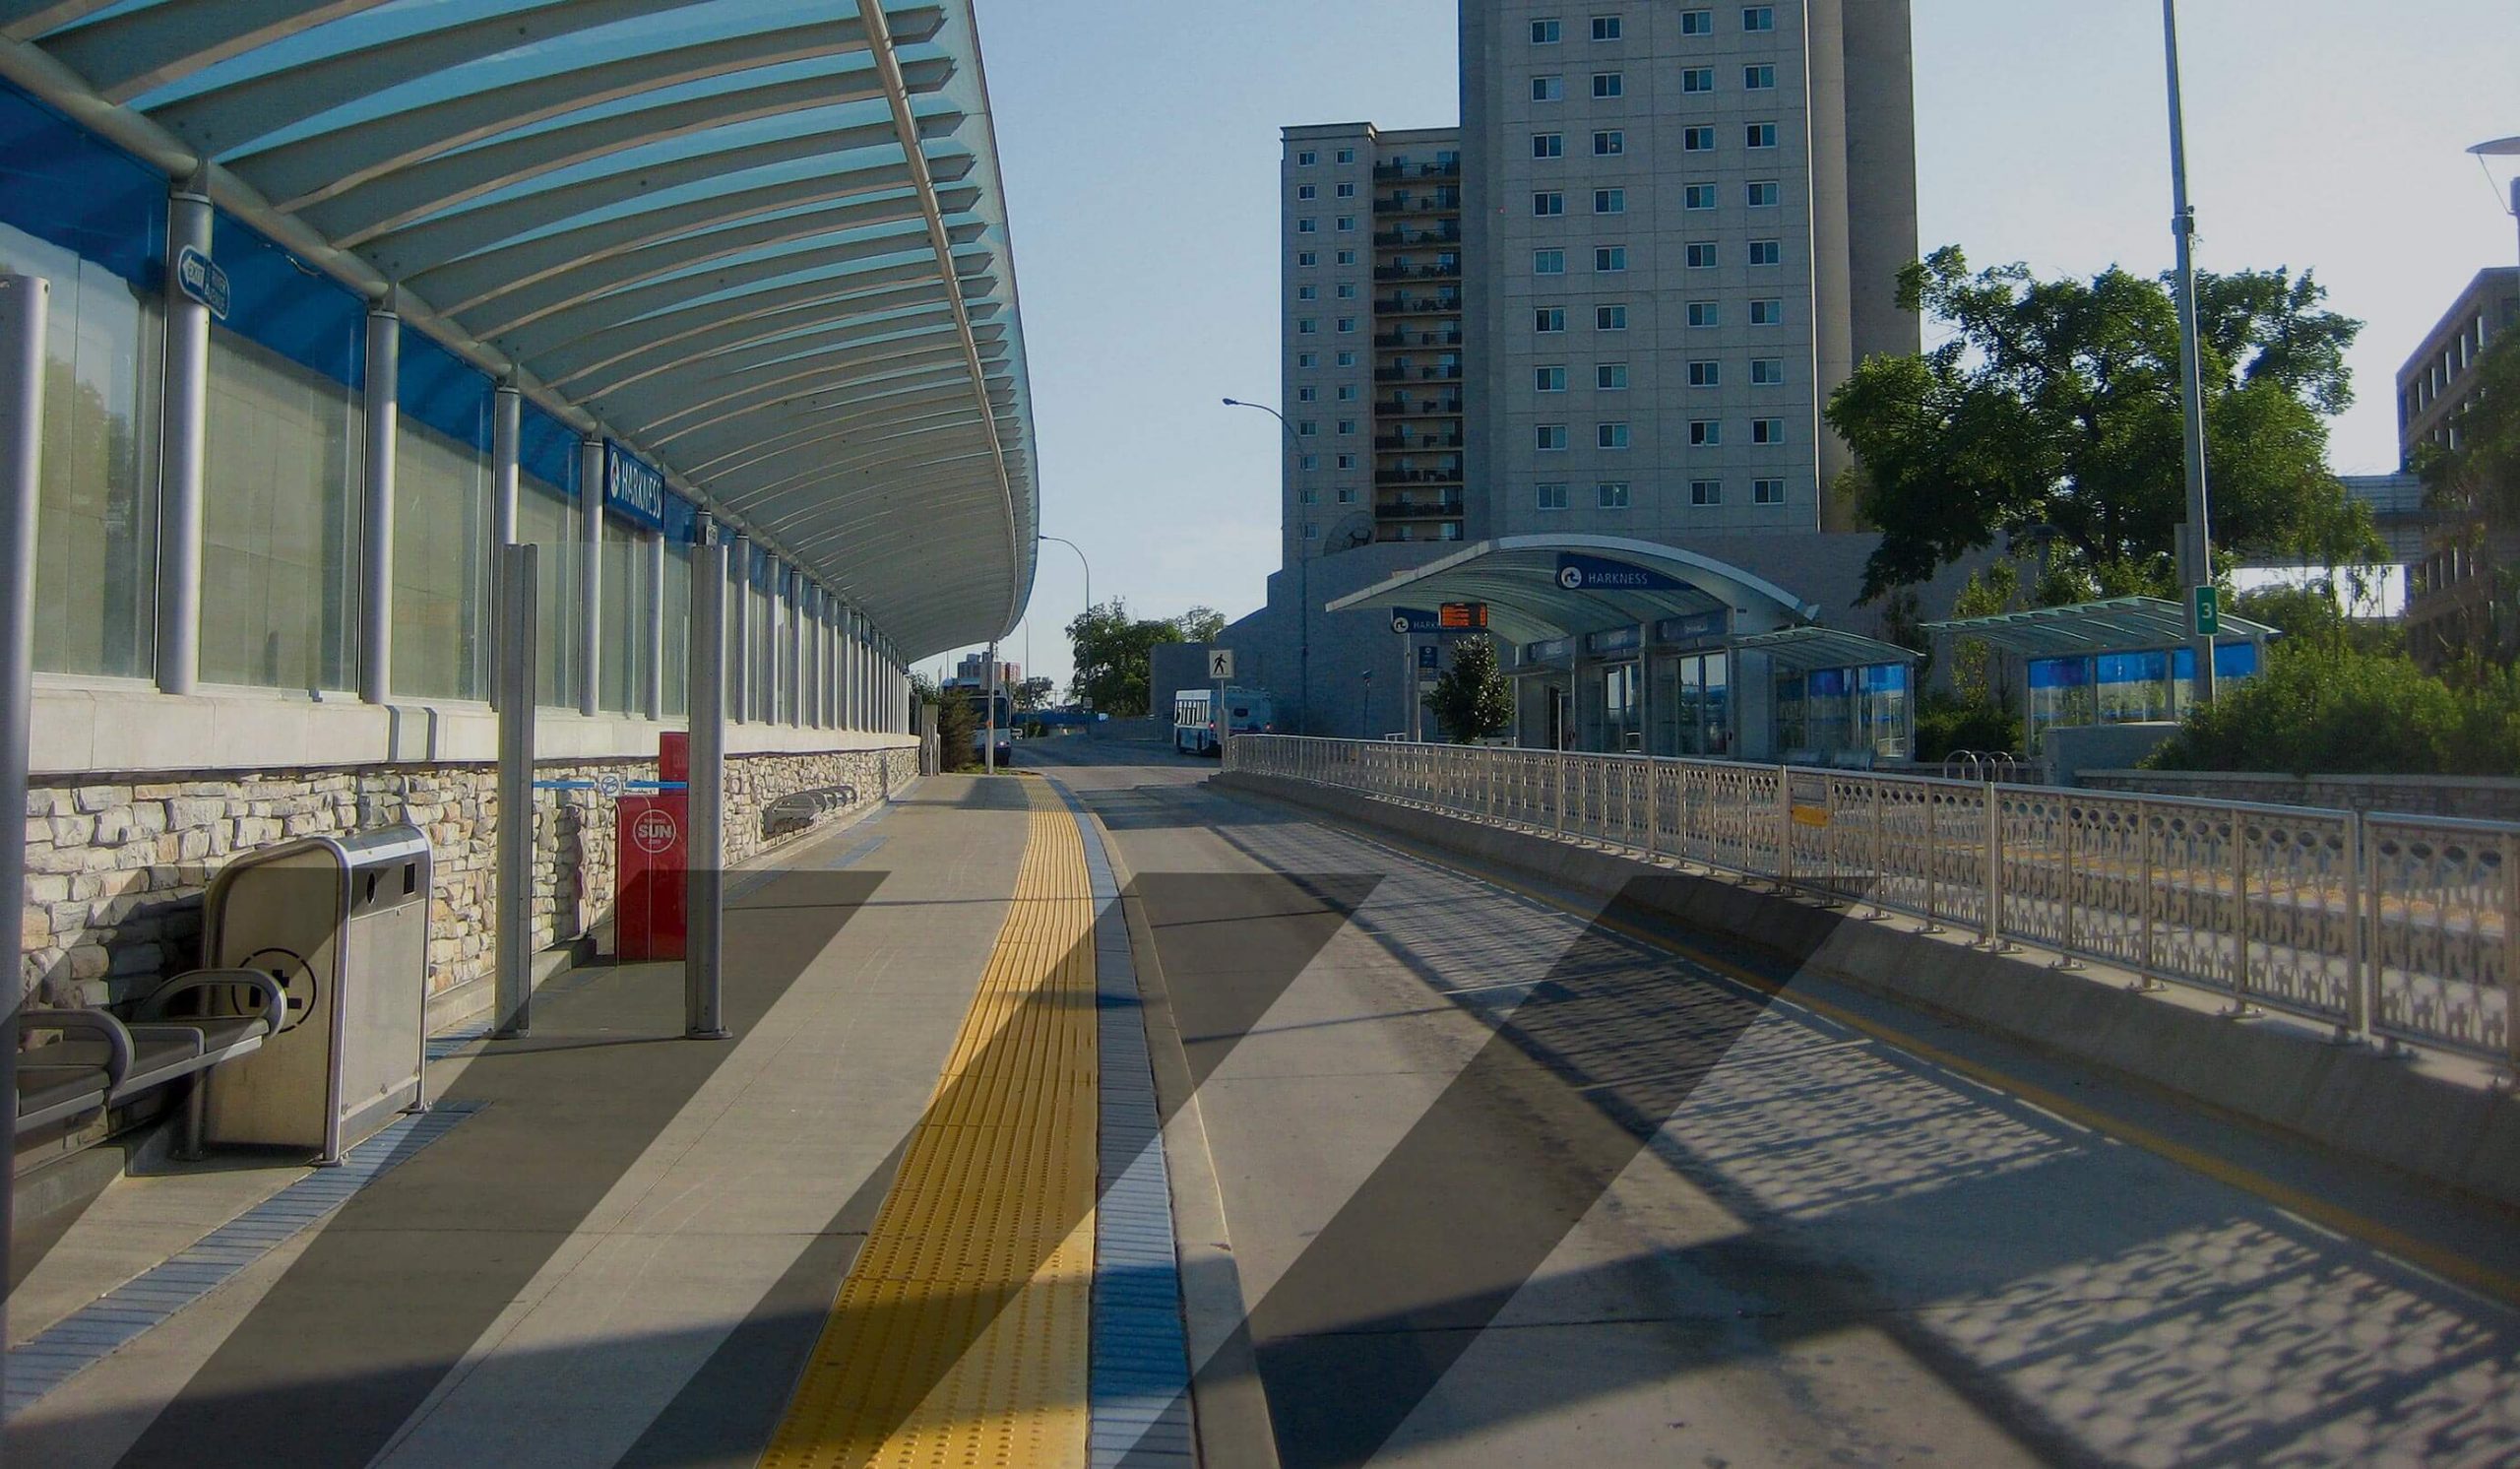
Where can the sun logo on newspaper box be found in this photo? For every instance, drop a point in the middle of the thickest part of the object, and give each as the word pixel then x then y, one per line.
pixel 655 832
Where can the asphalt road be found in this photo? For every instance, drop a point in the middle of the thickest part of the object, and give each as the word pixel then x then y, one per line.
pixel 1499 1186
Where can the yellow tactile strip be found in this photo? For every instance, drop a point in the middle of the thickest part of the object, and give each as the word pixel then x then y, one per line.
pixel 960 1336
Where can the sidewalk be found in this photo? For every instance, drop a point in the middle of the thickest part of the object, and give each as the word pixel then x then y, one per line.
pixel 623 1246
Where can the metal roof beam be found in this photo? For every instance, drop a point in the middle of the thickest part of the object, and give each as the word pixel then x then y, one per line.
pixel 152 47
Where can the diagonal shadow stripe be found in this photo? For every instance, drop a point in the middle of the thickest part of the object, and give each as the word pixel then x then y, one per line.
pixel 732 1406
pixel 389 1298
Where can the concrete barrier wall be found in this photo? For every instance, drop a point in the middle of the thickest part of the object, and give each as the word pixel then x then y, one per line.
pixel 117 864
pixel 2436 1117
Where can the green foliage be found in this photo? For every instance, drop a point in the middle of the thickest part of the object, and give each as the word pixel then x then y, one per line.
pixel 1032 694
pixel 2055 405
pixel 2310 615
pixel 1471 697
pixel 1946 725
pixel 2333 708
pixel 1200 624
pixel 957 721
pixel 1114 657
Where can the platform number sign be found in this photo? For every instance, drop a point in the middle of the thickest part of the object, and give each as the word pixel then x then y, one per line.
pixel 1220 663
pixel 2209 610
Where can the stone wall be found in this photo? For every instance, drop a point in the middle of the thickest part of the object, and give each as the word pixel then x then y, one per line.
pixel 116 868
pixel 2477 797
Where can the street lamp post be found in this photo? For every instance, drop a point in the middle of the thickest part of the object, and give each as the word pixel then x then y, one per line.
pixel 1089 581
pixel 2200 538
pixel 1303 571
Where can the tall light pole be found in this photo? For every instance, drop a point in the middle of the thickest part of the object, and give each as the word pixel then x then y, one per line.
pixel 1088 588
pixel 2202 613
pixel 1303 571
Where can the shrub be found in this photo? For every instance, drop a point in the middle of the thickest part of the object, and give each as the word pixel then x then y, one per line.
pixel 2336 710
pixel 1946 725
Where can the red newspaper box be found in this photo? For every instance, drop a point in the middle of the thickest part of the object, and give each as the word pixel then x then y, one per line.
pixel 652 920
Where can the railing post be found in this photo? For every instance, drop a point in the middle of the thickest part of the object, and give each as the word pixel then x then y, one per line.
pixel 2073 869
pixel 1653 810
pixel 2148 900
pixel 1876 877
pixel 2240 1007
pixel 2511 953
pixel 1994 924
pixel 1933 859
pixel 1560 759
pixel 518 613
pixel 1785 824
pixel 2358 998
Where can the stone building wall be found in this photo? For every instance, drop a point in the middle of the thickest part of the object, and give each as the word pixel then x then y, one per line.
pixel 116 868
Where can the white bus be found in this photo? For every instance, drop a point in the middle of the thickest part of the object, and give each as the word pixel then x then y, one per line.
pixel 1196 729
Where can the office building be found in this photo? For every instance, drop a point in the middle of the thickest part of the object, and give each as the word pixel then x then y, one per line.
pixel 2449 591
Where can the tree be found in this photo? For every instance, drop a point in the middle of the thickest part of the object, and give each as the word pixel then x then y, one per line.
pixel 1113 655
pixel 1200 624
pixel 2052 409
pixel 1032 694
pixel 1472 698
pixel 2475 487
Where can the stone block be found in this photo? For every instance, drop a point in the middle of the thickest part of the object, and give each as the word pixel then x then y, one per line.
pixel 73 831
pixel 195 813
pixel 87 961
pixel 100 797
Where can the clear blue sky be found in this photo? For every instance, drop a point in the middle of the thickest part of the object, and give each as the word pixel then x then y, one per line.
pixel 1140 142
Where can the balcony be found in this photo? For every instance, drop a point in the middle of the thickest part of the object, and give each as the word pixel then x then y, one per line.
pixel 1450 475
pixel 1445 202
pixel 1407 509
pixel 1418 408
pixel 1447 338
pixel 1442 271
pixel 1416 443
pixel 1446 232
pixel 1394 173
pixel 1419 305
pixel 1391 374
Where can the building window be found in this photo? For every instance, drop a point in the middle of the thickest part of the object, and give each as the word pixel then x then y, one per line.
pixel 1347 426
pixel 1307 359
pixel 1306 394
pixel 1548 88
pixel 1346 290
pixel 1766 252
pixel 1698 79
pixel 1311 531
pixel 1549 144
pixel 1698 254
pixel 1306 191
pixel 1611 435
pixel 1610 259
pixel 1549 319
pixel 1347 392
pixel 1305 326
pixel 1547 204
pixel 1348 496
pixel 1704 373
pixel 1697 23
pixel 1307 292
pixel 1705 314
pixel 1346 359
pixel 1758 79
pixel 1346 155
pixel 1609 200
pixel 1307 258
pixel 1767 313
pixel 1347 461
pixel 1552 496
pixel 1610 144
pixel 1605 27
pixel 1705 433
pixel 1545 32
pixel 1767 491
pixel 1762 193
pixel 1759 18
pixel 1611 494
pixel 1767 372
pixel 1309 496
pixel 1346 223
pixel 1306 428
pixel 1758 134
pixel 1308 226
pixel 1549 262
pixel 1346 191
pixel 1610 377
pixel 1699 196
pixel 1608 85
pixel 1549 438
pixel 1549 379
pixel 1706 491
pixel 1767 431
pixel 1609 318
pixel 1310 461
pixel 1697 139
pixel 1347 257
pixel 1306 158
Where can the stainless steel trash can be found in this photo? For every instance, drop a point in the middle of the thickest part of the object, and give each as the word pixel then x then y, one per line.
pixel 343 923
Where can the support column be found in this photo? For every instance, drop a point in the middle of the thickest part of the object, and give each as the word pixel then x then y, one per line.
pixel 512 892
pixel 182 434
pixel 795 649
pixel 653 698
pixel 591 577
pixel 507 420
pixel 737 611
pixel 376 510
pixel 23 303
pixel 705 889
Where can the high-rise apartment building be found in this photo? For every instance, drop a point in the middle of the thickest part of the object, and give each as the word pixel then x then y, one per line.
pixel 1615 299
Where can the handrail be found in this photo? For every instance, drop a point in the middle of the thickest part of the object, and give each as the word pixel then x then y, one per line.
pixel 2392 927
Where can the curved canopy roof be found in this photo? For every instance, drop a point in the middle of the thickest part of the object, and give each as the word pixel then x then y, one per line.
pixel 1521 579
pixel 2113 624
pixel 764 242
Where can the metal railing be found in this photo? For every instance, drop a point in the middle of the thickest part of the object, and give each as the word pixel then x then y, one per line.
pixel 2395 928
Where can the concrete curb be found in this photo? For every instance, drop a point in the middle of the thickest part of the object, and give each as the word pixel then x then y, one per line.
pixel 2437 1119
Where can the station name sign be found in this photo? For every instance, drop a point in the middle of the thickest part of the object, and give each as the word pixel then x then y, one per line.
pixel 1581 573
pixel 633 488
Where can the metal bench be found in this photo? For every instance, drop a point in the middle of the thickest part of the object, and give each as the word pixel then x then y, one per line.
pixel 796 811
pixel 112 1061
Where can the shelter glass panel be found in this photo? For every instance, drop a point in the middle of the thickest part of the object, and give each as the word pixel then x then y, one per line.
pixel 677 593
pixel 281 520
pixel 546 517
pixel 624 652
pixel 442 523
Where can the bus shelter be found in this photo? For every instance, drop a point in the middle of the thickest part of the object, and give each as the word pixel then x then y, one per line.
pixel 2118 661
pixel 1836 698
